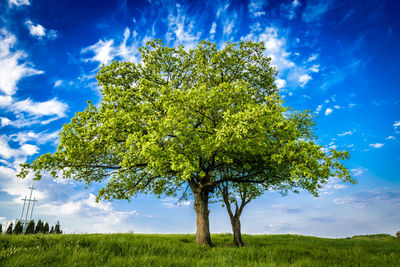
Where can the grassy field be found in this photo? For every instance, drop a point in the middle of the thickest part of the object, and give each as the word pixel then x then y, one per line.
pixel 180 250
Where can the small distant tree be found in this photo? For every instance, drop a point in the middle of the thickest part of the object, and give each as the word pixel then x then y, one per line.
pixel 9 229
pixel 57 228
pixel 1 229
pixel 398 235
pixel 18 229
pixel 39 227
pixel 52 230
pixel 46 228
pixel 30 229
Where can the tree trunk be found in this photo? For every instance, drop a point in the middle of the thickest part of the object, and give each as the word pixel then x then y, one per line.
pixel 202 221
pixel 236 229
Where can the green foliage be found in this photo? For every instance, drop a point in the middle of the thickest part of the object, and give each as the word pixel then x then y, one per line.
pixel 18 229
pixel 383 237
pixel 186 116
pixel 57 228
pixel 39 227
pixel 30 229
pixel 46 228
pixel 1 228
pixel 398 235
pixel 180 250
pixel 9 229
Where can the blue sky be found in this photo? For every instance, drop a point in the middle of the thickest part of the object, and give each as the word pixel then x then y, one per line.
pixel 339 59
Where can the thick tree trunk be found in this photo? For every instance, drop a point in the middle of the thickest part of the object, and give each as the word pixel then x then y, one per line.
pixel 202 220
pixel 236 229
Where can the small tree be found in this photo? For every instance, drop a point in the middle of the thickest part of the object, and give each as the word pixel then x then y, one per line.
pixel 398 235
pixel 9 229
pixel 30 229
pixel 18 229
pixel 57 228
pixel 52 230
pixel 1 229
pixel 39 227
pixel 46 228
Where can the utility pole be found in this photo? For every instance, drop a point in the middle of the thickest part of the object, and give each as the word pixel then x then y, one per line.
pixel 27 210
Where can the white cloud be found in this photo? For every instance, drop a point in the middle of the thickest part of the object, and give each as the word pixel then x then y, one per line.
pixel 18 2
pixel 390 138
pixel 182 30
pixel 328 111
pixel 303 79
pixel 47 108
pixel 4 121
pixel 39 31
pixel 11 71
pixel 103 51
pixel 128 52
pixel 313 57
pixel 256 8
pixel 5 100
pixel 58 83
pixel 280 83
pixel 38 138
pixel 35 30
pixel 174 202
pixel 275 47
pixel 346 133
pixel 213 28
pixel 396 124
pixel 357 171
pixel 337 106
pixel 315 10
pixel 376 145
pixel 314 68
pixel 318 109
pixel 7 152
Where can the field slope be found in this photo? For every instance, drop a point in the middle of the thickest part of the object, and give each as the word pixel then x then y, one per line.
pixel 180 250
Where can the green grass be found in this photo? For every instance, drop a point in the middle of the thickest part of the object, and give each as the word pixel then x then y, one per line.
pixel 180 250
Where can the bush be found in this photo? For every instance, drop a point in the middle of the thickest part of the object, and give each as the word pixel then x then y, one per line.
pixel 398 235
pixel 18 229
pixel 30 229
pixel 1 229
pixel 9 229
pixel 57 228
pixel 39 227
pixel 46 228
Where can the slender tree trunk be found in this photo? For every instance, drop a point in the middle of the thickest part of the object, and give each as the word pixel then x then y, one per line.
pixel 201 197
pixel 236 229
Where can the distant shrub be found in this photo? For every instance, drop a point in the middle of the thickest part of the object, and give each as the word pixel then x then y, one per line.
pixel 39 227
pixel 1 229
pixel 46 228
pixel 57 228
pixel 9 229
pixel 18 229
pixel 398 235
pixel 30 229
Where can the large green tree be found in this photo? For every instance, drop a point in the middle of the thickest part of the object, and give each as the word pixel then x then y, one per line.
pixel 181 117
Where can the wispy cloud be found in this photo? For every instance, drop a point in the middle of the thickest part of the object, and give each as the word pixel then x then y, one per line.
pixel 346 133
pixel 303 79
pixel 18 2
pixel 181 29
pixel 11 70
pixel 315 9
pixel 39 31
pixel 376 145
pixel 328 111
pixel 256 8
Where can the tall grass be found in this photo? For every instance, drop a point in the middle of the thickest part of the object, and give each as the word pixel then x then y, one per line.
pixel 180 250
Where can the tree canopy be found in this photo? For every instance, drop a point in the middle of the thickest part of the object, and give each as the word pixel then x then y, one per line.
pixel 184 117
